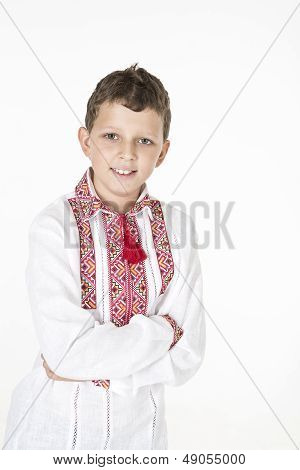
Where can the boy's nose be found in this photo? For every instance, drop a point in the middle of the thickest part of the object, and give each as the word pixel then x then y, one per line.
pixel 127 151
pixel 128 156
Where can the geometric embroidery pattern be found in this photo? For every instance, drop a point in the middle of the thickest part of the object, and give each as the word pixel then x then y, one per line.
pixel 87 259
pixel 127 281
pixel 162 244
pixel 177 330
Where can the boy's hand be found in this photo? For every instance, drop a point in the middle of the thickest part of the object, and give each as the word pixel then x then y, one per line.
pixel 53 376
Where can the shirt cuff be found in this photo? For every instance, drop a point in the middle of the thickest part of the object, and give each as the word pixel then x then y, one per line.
pixel 178 331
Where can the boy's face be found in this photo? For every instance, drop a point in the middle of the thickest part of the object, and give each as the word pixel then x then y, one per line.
pixel 123 139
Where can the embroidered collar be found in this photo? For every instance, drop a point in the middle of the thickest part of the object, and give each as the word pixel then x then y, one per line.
pixel 91 203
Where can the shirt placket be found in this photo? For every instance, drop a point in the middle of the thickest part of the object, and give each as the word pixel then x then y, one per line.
pixel 127 276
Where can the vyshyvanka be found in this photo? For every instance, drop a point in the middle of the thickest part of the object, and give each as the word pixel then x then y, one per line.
pixel 116 301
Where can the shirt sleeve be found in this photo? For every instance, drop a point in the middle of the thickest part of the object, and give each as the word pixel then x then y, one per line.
pixel 183 303
pixel 72 342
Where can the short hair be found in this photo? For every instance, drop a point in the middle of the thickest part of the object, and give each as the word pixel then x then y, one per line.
pixel 136 89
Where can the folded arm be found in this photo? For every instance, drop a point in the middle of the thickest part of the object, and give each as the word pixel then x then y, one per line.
pixel 183 302
pixel 74 345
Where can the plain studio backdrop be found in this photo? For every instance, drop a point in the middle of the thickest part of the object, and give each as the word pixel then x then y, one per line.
pixel 233 77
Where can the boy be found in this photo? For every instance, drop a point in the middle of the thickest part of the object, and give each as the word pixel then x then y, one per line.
pixel 118 312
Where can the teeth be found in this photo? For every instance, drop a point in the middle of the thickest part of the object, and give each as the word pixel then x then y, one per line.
pixel 122 172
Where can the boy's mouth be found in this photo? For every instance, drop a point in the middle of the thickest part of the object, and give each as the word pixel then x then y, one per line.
pixel 123 173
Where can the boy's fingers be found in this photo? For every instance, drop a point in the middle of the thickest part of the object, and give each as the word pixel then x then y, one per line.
pixel 49 372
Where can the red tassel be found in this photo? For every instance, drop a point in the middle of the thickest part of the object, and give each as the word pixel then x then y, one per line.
pixel 134 255
pixel 132 251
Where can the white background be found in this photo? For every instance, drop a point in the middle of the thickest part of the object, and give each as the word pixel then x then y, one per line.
pixel 53 53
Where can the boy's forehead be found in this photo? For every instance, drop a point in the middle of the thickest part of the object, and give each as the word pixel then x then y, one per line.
pixel 117 116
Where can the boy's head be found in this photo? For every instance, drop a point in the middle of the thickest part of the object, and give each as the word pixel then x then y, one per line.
pixel 127 125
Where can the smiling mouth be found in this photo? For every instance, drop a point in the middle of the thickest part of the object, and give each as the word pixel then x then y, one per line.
pixel 132 172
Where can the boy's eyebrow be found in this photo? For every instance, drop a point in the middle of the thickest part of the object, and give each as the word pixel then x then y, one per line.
pixel 117 129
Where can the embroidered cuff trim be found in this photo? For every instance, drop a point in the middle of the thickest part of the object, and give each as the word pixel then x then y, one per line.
pixel 178 331
pixel 102 383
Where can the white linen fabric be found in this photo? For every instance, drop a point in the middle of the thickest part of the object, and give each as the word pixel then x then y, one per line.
pixel 86 345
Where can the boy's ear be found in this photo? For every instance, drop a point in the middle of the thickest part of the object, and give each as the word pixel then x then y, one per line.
pixel 84 140
pixel 163 152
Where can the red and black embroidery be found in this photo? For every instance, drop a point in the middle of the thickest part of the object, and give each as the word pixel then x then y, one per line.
pixel 102 383
pixel 162 245
pixel 178 331
pixel 127 281
pixel 87 257
pixel 125 254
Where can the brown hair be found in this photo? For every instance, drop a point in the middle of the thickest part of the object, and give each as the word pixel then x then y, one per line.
pixel 136 89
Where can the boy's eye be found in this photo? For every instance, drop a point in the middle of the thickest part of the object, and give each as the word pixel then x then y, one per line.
pixel 112 133
pixel 148 141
